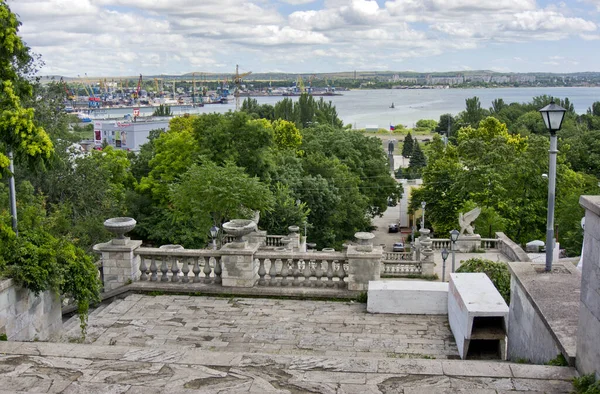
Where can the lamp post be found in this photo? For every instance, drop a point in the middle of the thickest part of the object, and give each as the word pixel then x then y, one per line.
pixel 454 237
pixel 553 116
pixel 444 257
pixel 214 231
pixel 423 204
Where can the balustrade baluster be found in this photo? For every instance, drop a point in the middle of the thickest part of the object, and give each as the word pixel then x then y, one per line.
pixel 341 274
pixel 295 272
pixel 330 274
pixel 218 270
pixel 153 270
pixel 318 273
pixel 272 273
pixel 164 269
pixel 196 270
pixel 307 273
pixel 206 270
pixel 185 270
pixel 284 272
pixel 143 269
pixel 261 272
pixel 175 269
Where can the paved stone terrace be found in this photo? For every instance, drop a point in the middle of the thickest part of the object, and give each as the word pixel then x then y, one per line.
pixel 274 326
pixel 36 367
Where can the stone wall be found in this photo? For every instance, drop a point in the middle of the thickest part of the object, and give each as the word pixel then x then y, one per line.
pixel 25 317
pixel 588 336
pixel 528 337
pixel 510 249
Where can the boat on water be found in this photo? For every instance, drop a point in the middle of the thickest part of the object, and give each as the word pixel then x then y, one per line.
pixel 392 106
pixel 83 117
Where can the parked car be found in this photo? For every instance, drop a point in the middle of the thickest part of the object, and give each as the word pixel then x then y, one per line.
pixel 393 228
pixel 398 247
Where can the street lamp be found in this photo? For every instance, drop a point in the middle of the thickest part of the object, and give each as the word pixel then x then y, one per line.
pixel 423 203
pixel 553 116
pixel 444 257
pixel 214 231
pixel 454 237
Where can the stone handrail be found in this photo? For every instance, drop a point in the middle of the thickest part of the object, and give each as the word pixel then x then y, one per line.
pixel 274 240
pixel 441 243
pixel 307 269
pixel 510 249
pixel 489 243
pixel 401 268
pixel 397 256
pixel 176 265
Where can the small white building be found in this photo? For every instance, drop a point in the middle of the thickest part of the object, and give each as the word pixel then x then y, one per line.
pixel 126 135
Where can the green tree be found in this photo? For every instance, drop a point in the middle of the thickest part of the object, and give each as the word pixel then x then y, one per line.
pixel 286 135
pixel 426 124
pixel 417 161
pixel 209 194
pixel 444 124
pixel 163 110
pixel 408 145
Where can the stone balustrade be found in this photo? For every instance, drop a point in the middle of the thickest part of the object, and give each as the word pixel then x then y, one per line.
pixel 397 256
pixel 441 243
pixel 286 268
pixel 180 265
pixel 401 268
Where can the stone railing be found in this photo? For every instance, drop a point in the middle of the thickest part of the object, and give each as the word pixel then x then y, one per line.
pixel 397 256
pixel 441 243
pixel 180 265
pixel 274 240
pixel 312 269
pixel 510 249
pixel 401 268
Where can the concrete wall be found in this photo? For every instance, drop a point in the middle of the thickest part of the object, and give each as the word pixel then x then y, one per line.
pixel 528 337
pixel 588 335
pixel 25 317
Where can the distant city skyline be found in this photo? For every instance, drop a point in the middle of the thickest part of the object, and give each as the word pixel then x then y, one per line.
pixel 131 37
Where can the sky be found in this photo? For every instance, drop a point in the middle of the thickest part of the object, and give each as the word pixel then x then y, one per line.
pixel 131 37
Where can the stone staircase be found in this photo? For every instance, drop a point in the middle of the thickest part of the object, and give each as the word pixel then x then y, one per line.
pixel 180 344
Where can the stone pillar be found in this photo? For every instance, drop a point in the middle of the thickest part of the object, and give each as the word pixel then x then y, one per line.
pixel 588 330
pixel 120 265
pixel 427 263
pixel 239 266
pixel 364 262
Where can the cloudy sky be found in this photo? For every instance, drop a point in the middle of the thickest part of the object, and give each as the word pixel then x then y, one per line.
pixel 129 37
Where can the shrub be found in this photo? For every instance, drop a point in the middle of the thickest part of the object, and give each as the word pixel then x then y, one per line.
pixel 586 384
pixel 497 272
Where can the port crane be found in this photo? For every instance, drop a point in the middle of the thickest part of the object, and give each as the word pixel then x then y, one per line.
pixel 237 80
pixel 70 94
pixel 136 94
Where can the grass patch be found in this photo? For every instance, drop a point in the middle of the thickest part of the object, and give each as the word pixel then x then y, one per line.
pixel 586 384
pixel 3 337
pixel 558 361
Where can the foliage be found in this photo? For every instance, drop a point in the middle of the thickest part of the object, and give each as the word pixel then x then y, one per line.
pixel 307 112
pixel 586 384
pixel 444 124
pixel 408 145
pixel 209 194
pixel 163 110
pixel 417 162
pixel 426 124
pixel 286 135
pixel 558 361
pixel 496 271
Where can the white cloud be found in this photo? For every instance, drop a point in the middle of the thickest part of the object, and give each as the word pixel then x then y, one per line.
pixel 159 36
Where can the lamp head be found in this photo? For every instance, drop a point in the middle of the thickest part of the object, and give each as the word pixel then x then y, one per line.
pixel 454 235
pixel 214 230
pixel 445 254
pixel 423 203
pixel 553 116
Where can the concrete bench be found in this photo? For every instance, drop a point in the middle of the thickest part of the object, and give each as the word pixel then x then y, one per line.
pixel 408 297
pixel 478 316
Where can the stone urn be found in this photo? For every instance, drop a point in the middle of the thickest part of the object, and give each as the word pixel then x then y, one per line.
pixel 293 229
pixel 238 228
pixel 364 241
pixel 119 227
pixel 286 242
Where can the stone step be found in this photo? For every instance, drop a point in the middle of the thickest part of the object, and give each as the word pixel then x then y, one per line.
pixel 86 368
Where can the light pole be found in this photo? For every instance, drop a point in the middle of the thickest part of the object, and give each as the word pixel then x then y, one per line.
pixel 423 204
pixel 553 116
pixel 214 231
pixel 454 237
pixel 444 257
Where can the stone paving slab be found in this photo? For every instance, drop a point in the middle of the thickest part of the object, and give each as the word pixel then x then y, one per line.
pixel 163 370
pixel 277 326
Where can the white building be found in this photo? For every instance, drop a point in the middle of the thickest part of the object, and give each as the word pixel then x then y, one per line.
pixel 126 134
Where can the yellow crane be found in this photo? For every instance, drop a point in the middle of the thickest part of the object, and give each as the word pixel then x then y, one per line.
pixel 237 80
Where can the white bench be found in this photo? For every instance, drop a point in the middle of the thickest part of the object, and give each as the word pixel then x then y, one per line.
pixel 414 297
pixel 478 315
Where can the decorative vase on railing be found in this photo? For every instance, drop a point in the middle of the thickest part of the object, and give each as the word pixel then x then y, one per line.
pixel 365 241
pixel 239 228
pixel 119 227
